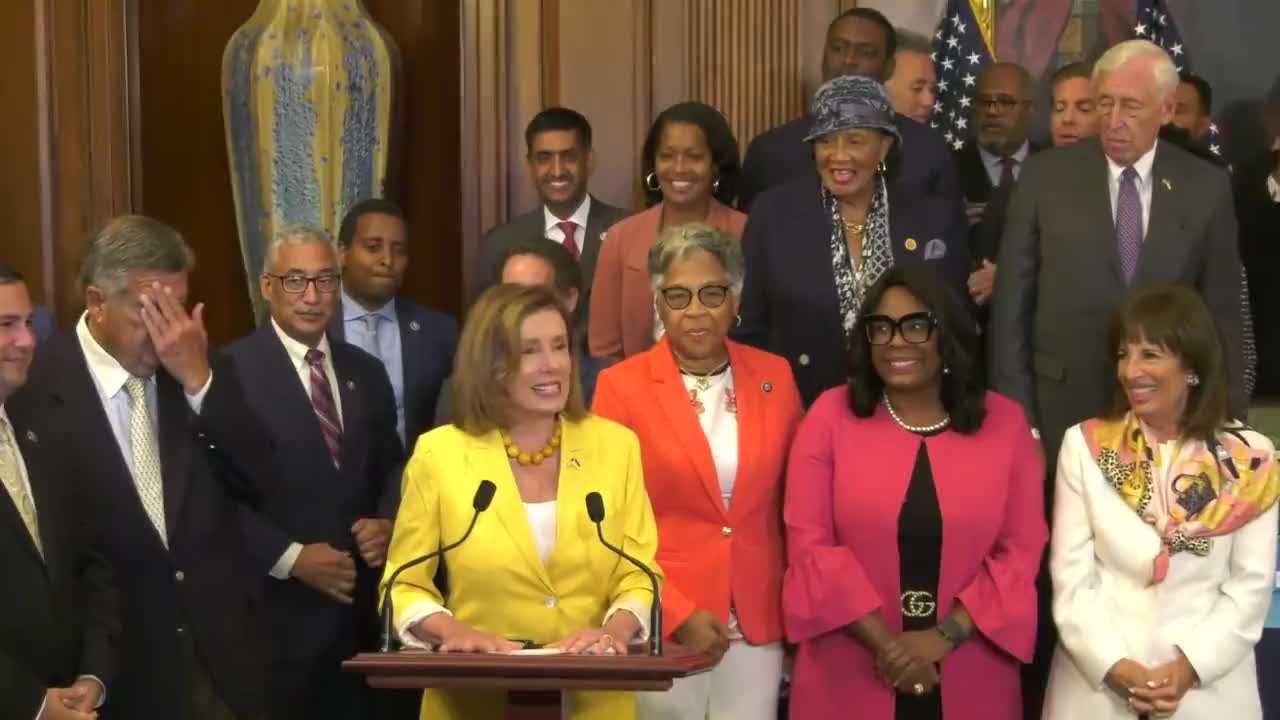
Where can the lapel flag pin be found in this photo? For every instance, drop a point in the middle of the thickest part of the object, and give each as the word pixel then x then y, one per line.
pixel 414 326
pixel 767 387
pixel 911 244
pixel 1167 184
pixel 31 436
pixel 573 463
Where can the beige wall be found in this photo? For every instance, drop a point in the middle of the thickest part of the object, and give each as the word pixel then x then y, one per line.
pixel 620 62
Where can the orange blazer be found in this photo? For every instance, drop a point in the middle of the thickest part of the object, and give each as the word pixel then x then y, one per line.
pixel 709 554
pixel 621 316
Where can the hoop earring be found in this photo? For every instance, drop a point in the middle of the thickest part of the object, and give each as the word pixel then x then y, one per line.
pixel 651 182
pixel 739 321
pixel 715 186
pixel 881 168
pixel 1193 380
pixel 946 370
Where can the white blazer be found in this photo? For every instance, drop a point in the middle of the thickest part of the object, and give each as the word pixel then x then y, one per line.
pixel 1212 608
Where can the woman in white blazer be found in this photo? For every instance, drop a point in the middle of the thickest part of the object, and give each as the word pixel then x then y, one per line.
pixel 1163 549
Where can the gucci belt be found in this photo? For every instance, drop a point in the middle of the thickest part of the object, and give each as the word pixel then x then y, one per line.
pixel 918 603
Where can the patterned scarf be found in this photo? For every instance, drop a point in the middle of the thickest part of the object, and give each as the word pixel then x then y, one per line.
pixel 1208 489
pixel 877 257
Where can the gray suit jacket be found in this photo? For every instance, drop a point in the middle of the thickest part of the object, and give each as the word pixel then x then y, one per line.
pixel 530 225
pixel 1060 279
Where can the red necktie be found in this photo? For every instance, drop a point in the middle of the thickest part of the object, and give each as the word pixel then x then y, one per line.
pixel 568 227
pixel 326 409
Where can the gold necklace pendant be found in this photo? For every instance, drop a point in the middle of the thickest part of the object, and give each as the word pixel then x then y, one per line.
pixel 536 458
pixel 702 381
pixel 855 228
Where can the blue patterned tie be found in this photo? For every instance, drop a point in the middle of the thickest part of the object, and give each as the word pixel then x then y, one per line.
pixel 1129 223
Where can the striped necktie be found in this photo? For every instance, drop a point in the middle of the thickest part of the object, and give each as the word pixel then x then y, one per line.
pixel 146 455
pixel 326 409
pixel 11 475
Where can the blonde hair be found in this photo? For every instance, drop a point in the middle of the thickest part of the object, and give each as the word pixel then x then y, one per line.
pixel 489 355
pixel 1164 72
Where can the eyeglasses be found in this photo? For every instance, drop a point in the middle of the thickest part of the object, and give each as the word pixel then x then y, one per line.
pixel 297 284
pixel 711 296
pixel 1004 103
pixel 915 328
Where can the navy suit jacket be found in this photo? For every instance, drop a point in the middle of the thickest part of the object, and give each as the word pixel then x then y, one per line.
pixel 789 302
pixel 42 322
pixel 428 341
pixel 202 586
pixel 314 502
pixel 780 155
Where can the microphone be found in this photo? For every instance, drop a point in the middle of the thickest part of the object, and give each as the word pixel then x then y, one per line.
pixel 595 511
pixel 480 503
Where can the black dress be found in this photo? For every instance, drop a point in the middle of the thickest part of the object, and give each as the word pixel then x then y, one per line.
pixel 919 560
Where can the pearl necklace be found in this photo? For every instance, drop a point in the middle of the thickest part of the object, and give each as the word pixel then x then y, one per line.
pixel 925 430
pixel 525 458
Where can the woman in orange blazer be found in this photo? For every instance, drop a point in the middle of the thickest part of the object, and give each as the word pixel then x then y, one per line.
pixel 690 165
pixel 715 420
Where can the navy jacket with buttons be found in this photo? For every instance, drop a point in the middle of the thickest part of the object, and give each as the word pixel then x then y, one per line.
pixel 789 302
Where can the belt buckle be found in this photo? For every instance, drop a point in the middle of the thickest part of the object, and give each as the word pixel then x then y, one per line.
pixel 918 603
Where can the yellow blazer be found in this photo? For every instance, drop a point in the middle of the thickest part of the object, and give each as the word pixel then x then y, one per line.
pixel 497 580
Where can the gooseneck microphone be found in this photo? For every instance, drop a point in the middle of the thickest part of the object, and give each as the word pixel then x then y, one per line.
pixel 480 503
pixel 595 511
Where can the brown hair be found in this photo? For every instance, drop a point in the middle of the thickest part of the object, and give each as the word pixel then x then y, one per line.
pixel 489 354
pixel 1176 319
pixel 1082 70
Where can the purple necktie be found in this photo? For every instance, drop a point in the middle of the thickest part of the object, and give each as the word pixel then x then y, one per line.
pixel 1129 223
pixel 326 409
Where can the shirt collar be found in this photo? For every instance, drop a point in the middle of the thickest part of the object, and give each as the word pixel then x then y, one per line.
pixel 352 310
pixel 105 369
pixel 992 160
pixel 579 216
pixel 296 350
pixel 1143 166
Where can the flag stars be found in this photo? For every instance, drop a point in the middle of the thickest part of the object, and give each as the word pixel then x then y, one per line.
pixel 974 59
pixel 1176 49
pixel 969 80
pixel 952 42
pixel 965 101
pixel 949 64
pixel 1141 30
pixel 957 144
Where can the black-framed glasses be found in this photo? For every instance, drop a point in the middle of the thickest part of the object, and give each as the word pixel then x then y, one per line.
pixel 711 296
pixel 1004 103
pixel 297 284
pixel 915 328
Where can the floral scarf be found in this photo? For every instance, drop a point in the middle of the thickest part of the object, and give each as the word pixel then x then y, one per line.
pixel 1208 489
pixel 877 257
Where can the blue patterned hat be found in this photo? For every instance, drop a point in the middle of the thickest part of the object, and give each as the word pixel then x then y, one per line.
pixel 850 102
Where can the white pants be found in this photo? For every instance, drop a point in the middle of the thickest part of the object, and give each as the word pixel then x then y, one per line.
pixel 743 686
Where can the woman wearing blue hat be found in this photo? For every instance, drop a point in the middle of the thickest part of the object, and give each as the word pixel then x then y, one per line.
pixel 813 246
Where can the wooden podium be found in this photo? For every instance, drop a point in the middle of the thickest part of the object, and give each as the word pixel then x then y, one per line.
pixel 533 682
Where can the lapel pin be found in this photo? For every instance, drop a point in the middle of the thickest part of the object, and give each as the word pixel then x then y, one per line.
pixel 31 436
pixel 414 326
pixel 603 235
pixel 573 463
pixel 911 244
pixel 351 385
pixel 1167 185
pixel 767 387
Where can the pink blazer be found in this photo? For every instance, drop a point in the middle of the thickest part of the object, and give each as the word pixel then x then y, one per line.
pixel 709 554
pixel 846 481
pixel 621 314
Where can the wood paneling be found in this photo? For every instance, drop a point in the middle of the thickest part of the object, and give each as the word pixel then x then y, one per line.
pixel 21 184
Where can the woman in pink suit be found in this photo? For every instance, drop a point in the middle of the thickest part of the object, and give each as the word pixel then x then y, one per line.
pixel 915 525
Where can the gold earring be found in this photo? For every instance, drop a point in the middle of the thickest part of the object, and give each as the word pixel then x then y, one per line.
pixel 651 182
pixel 881 168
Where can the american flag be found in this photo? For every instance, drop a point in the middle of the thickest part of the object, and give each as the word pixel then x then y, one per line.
pixel 1156 24
pixel 961 51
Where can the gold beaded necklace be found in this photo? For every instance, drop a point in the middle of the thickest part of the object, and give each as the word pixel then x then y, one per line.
pixel 524 458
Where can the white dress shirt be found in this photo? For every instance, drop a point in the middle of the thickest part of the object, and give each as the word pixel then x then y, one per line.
pixel 551 223
pixel 995 166
pixel 298 356
pixel 1143 166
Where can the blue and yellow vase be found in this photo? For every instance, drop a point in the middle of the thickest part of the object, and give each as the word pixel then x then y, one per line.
pixel 308 92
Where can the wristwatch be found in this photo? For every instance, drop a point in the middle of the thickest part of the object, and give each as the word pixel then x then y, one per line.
pixel 952 631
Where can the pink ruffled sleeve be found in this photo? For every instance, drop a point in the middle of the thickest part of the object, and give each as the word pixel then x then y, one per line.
pixel 1001 598
pixel 825 587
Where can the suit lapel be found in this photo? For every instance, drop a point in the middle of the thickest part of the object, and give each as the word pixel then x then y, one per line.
pixel 1098 206
pixel 285 390
pixel 974 180
pixel 413 348
pixel 44 519
pixel 174 438
pixel 753 403
pixel 591 240
pixel 488 460
pixel 576 465
pixel 683 421
pixel 353 410
pixel 1165 225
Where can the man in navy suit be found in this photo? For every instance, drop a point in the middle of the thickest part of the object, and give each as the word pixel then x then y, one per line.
pixel 321 538
pixel 860 41
pixel 414 344
pixel 59 632
pixel 160 446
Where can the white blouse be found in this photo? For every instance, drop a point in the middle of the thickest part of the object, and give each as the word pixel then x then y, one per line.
pixel 542 521
pixel 717 409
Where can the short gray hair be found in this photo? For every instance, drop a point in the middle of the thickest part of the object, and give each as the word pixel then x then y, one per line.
pixel 129 244
pixel 1165 73
pixel 294 235
pixel 909 41
pixel 681 241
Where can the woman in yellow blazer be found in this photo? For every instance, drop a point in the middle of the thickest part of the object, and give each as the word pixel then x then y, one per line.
pixel 533 568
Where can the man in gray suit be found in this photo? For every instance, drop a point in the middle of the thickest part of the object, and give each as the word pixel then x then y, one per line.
pixel 560 162
pixel 1086 223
